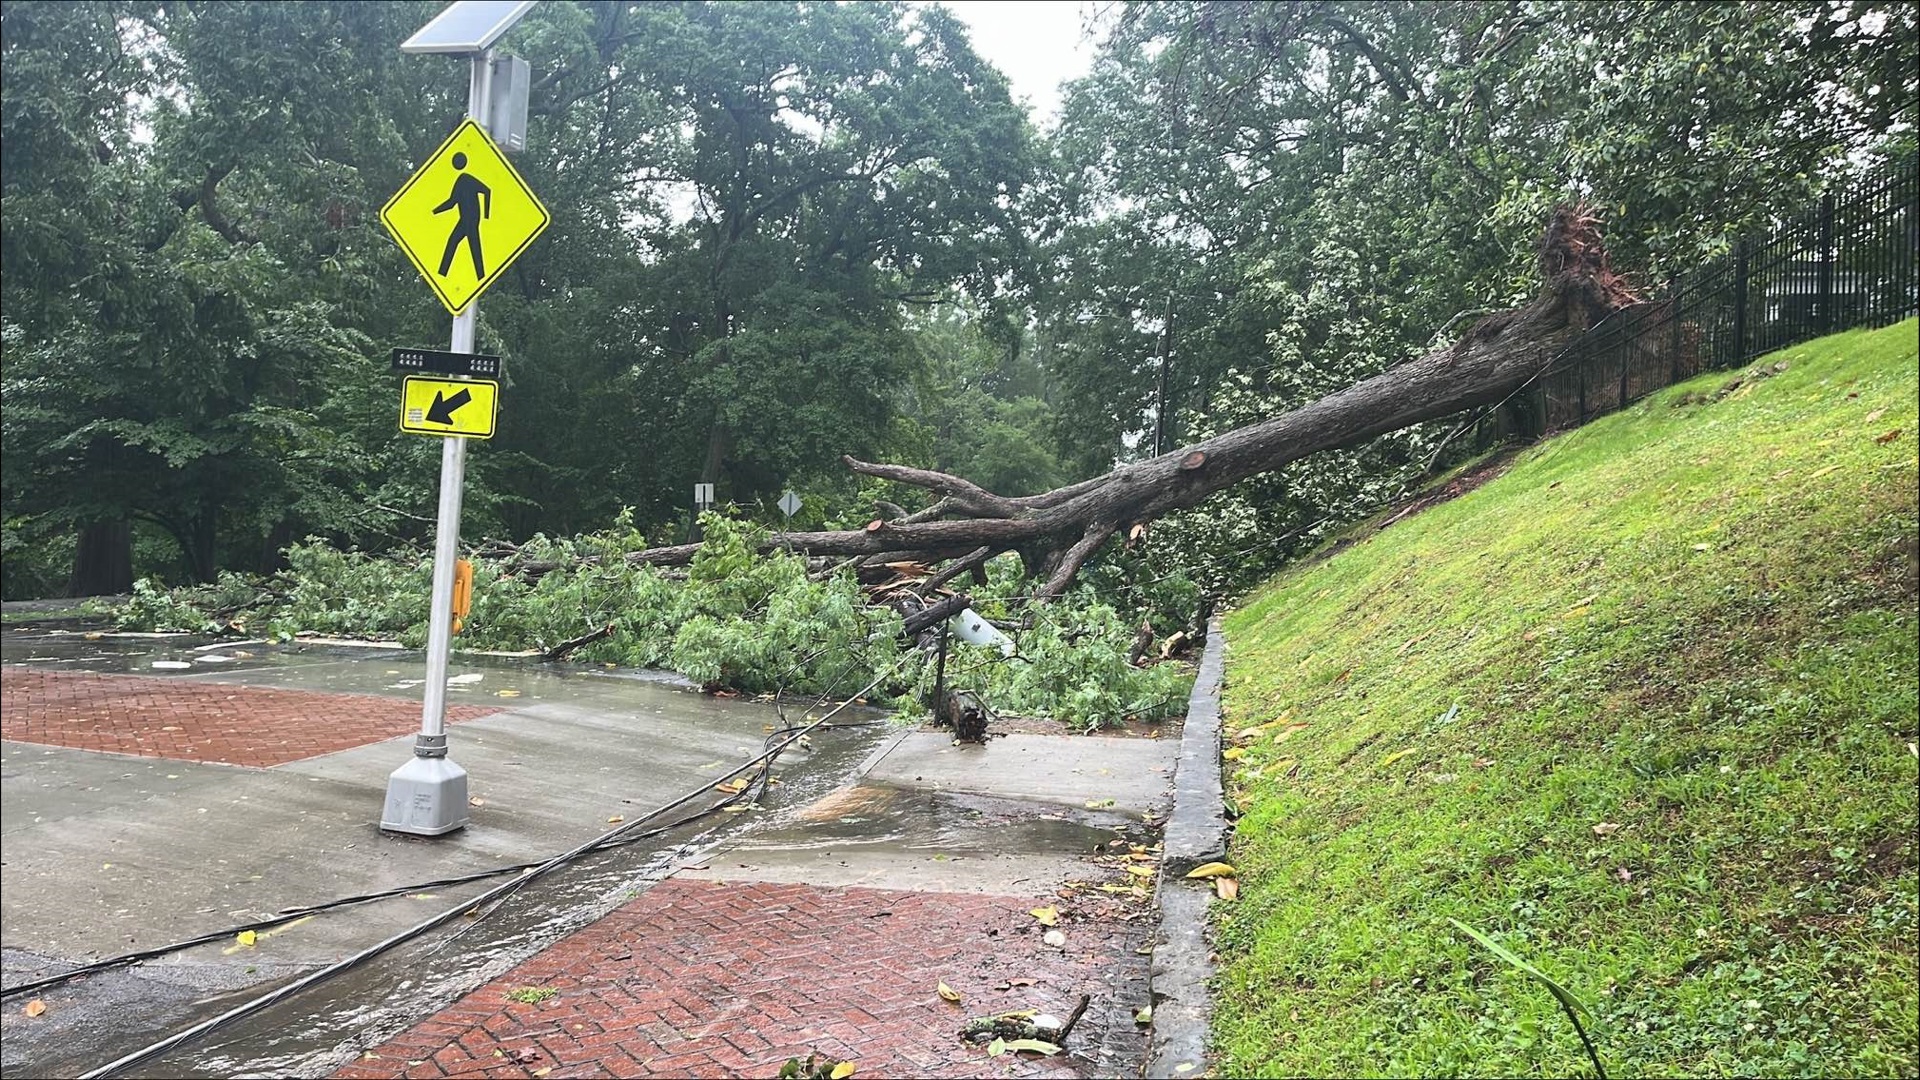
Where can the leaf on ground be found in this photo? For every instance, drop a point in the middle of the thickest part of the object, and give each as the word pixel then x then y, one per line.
pixel 996 1047
pixel 1139 871
pixel 1143 1015
pixel 948 992
pixel 1290 731
pixel 1227 888
pixel 1212 870
pixel 616 819
pixel 1235 754
pixel 1396 756
pixel 732 787
pixel 843 1070
pixel 1056 939
pixel 506 693
pixel 1582 603
pixel 475 800
pixel 1048 916
pixel 1099 804
pixel 1875 415
pixel 1038 1046
pixel 35 1007
pixel 525 1054
pixel 1606 828
pixel 1888 437
pixel 246 937
pixel 1818 473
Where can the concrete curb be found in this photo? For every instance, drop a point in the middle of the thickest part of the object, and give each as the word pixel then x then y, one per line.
pixel 1196 833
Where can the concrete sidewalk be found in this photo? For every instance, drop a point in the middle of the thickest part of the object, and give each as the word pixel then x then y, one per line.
pixel 121 834
pixel 885 864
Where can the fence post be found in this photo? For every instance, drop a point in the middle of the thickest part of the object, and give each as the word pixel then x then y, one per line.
pixel 1583 389
pixel 1626 366
pixel 1673 320
pixel 1826 321
pixel 1740 303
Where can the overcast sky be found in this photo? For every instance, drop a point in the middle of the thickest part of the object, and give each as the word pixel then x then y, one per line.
pixel 1037 43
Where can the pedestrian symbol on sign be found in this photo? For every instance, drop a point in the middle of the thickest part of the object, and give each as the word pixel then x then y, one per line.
pixel 468 196
pixel 464 216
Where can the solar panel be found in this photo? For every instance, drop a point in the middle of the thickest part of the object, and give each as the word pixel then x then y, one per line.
pixel 467 26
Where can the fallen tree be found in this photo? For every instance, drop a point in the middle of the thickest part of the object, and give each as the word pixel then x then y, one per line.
pixel 1057 531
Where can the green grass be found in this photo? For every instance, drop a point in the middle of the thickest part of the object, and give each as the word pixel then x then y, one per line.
pixel 1695 621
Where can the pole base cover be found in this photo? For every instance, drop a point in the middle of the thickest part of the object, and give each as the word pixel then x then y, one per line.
pixel 426 797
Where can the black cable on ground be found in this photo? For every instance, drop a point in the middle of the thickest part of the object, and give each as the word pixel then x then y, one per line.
pixel 314 978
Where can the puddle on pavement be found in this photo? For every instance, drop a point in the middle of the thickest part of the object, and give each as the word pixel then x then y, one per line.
pixel 871 813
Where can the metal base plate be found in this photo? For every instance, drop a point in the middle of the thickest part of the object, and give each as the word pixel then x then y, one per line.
pixel 426 797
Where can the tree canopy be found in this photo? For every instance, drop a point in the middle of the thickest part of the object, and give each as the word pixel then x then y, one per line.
pixel 788 232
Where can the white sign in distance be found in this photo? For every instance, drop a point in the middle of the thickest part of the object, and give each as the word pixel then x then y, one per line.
pixel 789 504
pixel 703 494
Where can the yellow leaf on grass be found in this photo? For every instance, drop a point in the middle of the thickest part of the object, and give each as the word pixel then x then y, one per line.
pixel 1048 916
pixel 1396 756
pixel 246 937
pixel 1234 754
pixel 35 1007
pixel 1227 888
pixel 1289 732
pixel 1212 870
pixel 843 1070
pixel 949 992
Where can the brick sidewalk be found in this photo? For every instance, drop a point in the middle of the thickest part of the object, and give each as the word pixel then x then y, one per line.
pixel 723 979
pixel 198 721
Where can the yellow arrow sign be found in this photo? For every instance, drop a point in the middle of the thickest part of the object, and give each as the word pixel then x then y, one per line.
pixel 464 216
pixel 462 407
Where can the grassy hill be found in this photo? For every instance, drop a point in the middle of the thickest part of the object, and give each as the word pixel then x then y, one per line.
pixel 1642 709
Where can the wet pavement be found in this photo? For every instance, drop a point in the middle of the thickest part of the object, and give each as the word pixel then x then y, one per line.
pixel 110 852
pixel 106 853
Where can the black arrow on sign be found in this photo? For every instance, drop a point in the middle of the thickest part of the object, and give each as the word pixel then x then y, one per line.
pixel 443 408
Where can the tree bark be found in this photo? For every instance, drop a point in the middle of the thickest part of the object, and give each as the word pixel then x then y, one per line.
pixel 102 559
pixel 1497 356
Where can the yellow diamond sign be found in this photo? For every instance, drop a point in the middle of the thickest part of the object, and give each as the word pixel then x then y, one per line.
pixel 464 408
pixel 464 216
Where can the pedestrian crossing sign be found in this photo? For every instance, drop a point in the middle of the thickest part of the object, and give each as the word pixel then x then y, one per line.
pixel 464 216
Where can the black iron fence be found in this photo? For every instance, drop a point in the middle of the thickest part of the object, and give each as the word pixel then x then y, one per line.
pixel 1848 262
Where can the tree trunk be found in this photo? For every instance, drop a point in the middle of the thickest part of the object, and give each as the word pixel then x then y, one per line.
pixel 102 559
pixel 1056 532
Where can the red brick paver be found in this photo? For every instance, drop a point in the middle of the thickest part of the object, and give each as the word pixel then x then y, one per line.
pixel 197 721
pixel 721 979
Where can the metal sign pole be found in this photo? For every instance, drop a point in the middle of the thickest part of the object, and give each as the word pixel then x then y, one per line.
pixel 428 795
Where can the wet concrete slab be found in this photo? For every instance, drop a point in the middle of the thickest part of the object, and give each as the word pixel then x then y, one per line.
pixel 1018 814
pixel 1129 775
pixel 884 836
